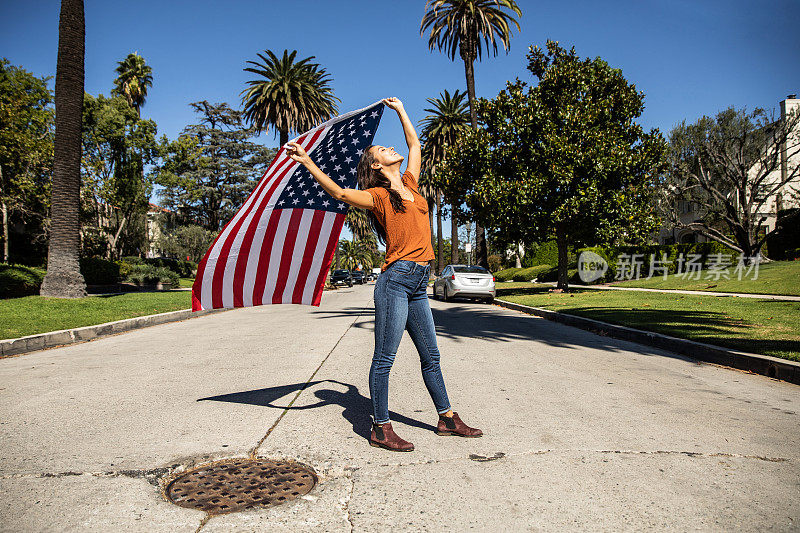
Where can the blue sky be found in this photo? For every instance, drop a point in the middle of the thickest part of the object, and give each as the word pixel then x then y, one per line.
pixel 690 57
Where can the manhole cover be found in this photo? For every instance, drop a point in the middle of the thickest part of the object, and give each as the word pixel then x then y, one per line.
pixel 238 484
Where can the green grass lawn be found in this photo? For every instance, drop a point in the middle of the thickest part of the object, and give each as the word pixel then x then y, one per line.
pixel 36 314
pixel 779 277
pixel 758 326
pixel 185 283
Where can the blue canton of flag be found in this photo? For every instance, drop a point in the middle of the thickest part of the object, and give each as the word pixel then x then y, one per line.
pixel 337 156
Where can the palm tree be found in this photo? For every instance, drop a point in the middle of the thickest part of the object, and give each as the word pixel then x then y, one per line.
pixel 64 279
pixel 133 80
pixel 463 26
pixel 355 253
pixel 291 96
pixel 356 220
pixel 428 190
pixel 447 121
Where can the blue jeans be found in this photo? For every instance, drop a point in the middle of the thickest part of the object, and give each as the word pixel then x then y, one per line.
pixel 401 303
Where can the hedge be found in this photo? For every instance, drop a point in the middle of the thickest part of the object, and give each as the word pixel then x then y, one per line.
pixel 144 274
pixel 98 271
pixel 17 281
pixel 182 267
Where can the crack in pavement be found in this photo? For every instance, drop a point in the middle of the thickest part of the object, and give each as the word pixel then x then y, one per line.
pixel 154 474
pixel 352 471
pixel 499 456
pixel 150 475
pixel 254 451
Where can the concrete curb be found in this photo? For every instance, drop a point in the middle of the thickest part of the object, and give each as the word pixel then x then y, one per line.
pixel 41 341
pixel 773 367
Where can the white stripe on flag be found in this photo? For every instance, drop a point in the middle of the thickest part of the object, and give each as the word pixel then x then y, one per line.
pixel 275 254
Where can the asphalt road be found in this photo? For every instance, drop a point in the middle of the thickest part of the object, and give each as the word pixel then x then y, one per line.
pixel 582 432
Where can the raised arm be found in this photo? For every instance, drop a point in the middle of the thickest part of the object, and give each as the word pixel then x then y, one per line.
pixel 414 154
pixel 361 199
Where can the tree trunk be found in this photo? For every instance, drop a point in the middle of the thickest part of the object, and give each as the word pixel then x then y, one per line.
pixel 5 218
pixel 63 278
pixel 453 239
pixel 519 253
pixel 561 241
pixel 284 138
pixel 482 255
pixel 432 262
pixel 439 236
pixel 5 231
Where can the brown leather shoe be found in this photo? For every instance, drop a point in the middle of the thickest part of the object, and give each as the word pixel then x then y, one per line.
pixel 383 436
pixel 454 426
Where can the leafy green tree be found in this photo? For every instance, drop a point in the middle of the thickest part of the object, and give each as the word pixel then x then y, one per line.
pixel 447 121
pixel 463 27
pixel 116 146
pixel 26 151
pixel 133 80
pixel 564 158
pixel 729 168
pixel 208 172
pixel 186 242
pixel 289 95
pixel 64 278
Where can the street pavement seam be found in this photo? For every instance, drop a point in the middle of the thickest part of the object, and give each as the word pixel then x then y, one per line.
pixel 254 452
pixel 153 474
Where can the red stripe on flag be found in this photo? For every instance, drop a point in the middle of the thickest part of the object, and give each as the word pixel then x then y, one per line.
pixel 308 256
pixel 286 257
pixel 333 241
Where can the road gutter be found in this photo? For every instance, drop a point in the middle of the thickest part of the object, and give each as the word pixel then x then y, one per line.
pixel 773 367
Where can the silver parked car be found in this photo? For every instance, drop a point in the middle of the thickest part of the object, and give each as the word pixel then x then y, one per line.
pixel 462 281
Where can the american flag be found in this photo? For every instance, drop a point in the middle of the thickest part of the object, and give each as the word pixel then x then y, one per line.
pixel 279 246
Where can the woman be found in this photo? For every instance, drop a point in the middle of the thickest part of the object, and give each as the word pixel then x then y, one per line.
pixel 399 215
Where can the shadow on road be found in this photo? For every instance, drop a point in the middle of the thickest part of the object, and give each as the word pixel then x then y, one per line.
pixel 462 321
pixel 357 408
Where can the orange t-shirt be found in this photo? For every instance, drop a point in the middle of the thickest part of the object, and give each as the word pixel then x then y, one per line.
pixel 408 235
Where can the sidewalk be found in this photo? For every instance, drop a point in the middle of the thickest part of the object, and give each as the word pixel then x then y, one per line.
pixel 582 432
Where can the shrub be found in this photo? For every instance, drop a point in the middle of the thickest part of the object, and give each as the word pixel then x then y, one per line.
pixel 145 274
pixel 182 267
pixel 506 275
pixel 17 280
pixel 528 274
pixel 98 271
pixel 551 275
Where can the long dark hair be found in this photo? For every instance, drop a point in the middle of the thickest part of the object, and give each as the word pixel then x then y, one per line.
pixel 368 177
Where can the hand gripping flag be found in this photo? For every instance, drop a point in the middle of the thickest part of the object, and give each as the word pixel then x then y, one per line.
pixel 278 247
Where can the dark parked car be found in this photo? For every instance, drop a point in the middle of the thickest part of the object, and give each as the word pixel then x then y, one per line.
pixel 341 277
pixel 358 276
